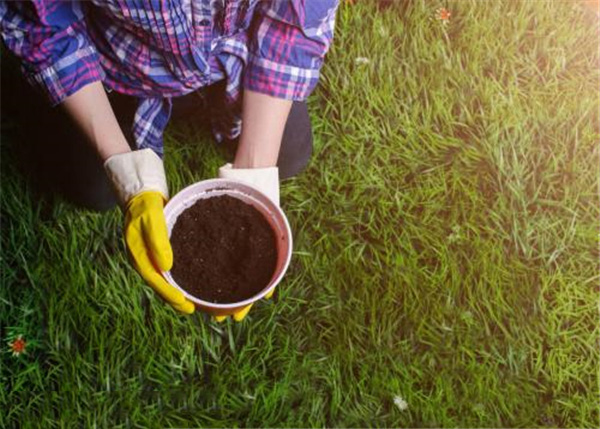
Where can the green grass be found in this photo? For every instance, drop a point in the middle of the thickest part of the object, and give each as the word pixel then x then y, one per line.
pixel 445 251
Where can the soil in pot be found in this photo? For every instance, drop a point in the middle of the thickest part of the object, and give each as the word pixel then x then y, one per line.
pixel 224 250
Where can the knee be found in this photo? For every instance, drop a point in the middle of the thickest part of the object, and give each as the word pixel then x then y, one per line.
pixel 297 142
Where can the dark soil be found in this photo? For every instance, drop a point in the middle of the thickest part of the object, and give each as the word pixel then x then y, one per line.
pixel 223 250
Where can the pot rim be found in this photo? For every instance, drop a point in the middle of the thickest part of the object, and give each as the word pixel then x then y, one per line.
pixel 229 187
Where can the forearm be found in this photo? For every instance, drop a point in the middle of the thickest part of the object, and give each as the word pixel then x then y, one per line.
pixel 91 111
pixel 263 121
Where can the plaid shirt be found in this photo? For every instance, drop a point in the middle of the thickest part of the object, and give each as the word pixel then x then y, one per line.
pixel 158 49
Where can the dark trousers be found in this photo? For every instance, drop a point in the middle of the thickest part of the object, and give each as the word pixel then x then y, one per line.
pixel 59 160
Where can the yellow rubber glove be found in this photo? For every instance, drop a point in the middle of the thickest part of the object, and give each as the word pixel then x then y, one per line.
pixel 139 180
pixel 148 243
pixel 265 180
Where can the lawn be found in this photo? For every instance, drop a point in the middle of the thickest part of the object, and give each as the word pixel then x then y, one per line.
pixel 445 270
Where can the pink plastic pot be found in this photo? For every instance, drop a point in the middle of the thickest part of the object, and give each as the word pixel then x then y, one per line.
pixel 249 195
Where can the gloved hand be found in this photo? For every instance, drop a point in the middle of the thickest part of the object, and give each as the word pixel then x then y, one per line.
pixel 265 180
pixel 141 185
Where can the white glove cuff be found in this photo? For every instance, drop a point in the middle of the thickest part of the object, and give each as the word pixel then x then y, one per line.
pixel 132 173
pixel 265 179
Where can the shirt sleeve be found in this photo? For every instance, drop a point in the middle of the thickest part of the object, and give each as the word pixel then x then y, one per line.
pixel 287 43
pixel 50 39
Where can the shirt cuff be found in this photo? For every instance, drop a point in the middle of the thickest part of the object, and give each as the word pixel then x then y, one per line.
pixel 69 74
pixel 279 80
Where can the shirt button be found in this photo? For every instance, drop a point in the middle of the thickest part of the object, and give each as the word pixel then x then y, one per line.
pixel 204 23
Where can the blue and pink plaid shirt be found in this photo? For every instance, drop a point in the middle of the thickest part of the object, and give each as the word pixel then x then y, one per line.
pixel 159 49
